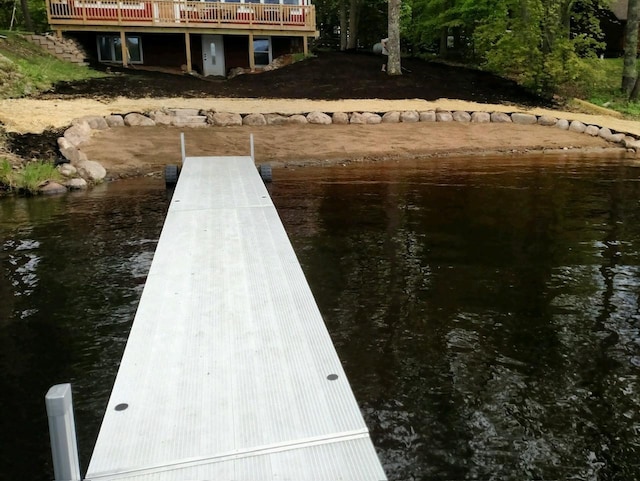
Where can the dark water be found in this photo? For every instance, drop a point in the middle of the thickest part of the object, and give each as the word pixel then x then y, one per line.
pixel 487 311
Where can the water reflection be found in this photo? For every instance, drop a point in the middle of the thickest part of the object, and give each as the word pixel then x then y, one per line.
pixel 487 313
pixel 73 268
pixel 486 310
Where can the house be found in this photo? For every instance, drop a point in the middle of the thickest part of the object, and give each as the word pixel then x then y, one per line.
pixel 209 37
pixel 612 23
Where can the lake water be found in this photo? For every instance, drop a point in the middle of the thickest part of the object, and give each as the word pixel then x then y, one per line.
pixel 486 310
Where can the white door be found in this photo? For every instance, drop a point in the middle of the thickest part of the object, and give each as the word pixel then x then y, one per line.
pixel 213 55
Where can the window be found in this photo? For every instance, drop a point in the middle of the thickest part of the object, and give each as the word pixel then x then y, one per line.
pixel 109 49
pixel 262 51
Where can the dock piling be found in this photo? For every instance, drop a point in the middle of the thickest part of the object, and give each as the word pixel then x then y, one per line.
pixel 62 430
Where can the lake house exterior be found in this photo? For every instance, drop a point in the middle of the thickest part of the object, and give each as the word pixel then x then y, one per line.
pixel 209 37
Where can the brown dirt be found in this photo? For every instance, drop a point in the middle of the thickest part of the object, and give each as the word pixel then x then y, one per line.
pixel 329 76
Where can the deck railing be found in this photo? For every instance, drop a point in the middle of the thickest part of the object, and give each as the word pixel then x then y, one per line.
pixel 177 13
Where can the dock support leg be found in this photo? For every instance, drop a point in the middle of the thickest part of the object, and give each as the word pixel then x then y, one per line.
pixel 182 147
pixel 62 430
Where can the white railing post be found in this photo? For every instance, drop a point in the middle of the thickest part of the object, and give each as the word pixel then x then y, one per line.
pixel 62 430
pixel 253 157
pixel 182 147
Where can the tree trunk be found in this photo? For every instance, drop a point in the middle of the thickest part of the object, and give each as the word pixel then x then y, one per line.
pixel 629 72
pixel 27 16
pixel 343 25
pixel 354 20
pixel 635 93
pixel 444 34
pixel 393 64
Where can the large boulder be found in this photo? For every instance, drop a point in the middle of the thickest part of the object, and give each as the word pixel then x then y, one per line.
pixel 481 117
pixel 340 118
pixel 95 122
pixel 562 124
pixel 161 118
pixel 409 116
pixel 135 119
pixel 51 188
pixel 547 121
pixel 428 116
pixel 92 170
pixel 189 121
pixel 577 126
pixel 226 119
pixel 76 184
pixel 461 116
pixel 297 119
pixel 523 119
pixel 276 119
pixel 114 120
pixel 77 134
pixel 319 118
pixel 254 119
pixel 70 152
pixel 67 170
pixel 444 116
pixel 592 130
pixel 500 118
pixel 391 117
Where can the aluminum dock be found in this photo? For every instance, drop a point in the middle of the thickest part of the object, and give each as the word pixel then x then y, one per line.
pixel 229 372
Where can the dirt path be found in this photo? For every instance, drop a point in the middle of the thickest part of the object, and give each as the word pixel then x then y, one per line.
pixel 130 151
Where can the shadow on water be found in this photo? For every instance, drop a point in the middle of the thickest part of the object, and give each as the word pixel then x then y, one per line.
pixel 487 311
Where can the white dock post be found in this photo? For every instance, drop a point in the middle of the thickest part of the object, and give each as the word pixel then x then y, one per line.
pixel 253 157
pixel 182 147
pixel 62 430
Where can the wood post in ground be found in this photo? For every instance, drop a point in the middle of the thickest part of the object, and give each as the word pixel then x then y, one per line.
pixel 123 47
pixel 252 60
pixel 187 42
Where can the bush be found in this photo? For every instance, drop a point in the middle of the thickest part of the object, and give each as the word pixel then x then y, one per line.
pixel 29 179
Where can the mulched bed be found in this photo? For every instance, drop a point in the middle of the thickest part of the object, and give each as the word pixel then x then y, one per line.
pixel 329 76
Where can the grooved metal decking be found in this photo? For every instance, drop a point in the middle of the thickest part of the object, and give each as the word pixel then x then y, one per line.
pixel 225 373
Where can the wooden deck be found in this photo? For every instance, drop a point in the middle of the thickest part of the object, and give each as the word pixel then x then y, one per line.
pixel 172 15
pixel 229 371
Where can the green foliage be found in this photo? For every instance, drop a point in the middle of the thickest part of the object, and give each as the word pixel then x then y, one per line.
pixel 543 44
pixel 604 89
pixel 6 174
pixel 35 174
pixel 37 12
pixel 28 179
pixel 26 68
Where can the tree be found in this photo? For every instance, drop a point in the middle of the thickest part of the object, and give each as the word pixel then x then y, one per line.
pixel 27 15
pixel 629 72
pixel 393 65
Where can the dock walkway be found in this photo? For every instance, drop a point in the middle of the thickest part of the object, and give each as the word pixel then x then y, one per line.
pixel 229 372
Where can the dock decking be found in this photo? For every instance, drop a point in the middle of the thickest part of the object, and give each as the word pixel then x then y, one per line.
pixel 229 372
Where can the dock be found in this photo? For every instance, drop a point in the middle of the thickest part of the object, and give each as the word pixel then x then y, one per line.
pixel 229 372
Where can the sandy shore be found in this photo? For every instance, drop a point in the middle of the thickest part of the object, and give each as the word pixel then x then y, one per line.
pixel 127 151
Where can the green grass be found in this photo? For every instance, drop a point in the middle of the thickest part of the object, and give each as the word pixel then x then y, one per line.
pixel 30 178
pixel 603 89
pixel 26 69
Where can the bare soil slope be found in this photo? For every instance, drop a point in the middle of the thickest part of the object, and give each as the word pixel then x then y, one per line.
pixel 329 76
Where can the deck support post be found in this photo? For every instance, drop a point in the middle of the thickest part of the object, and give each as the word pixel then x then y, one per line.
pixel 62 431
pixel 187 42
pixel 305 45
pixel 123 47
pixel 252 59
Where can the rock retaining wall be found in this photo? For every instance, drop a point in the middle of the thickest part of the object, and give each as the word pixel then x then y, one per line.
pixel 70 144
pixel 65 49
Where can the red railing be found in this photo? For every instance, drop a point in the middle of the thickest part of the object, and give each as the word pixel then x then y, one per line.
pixel 172 13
